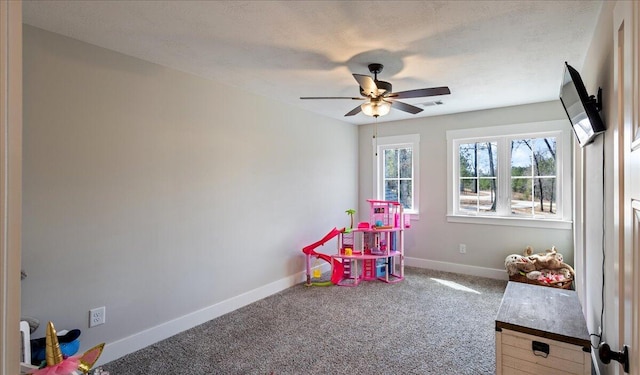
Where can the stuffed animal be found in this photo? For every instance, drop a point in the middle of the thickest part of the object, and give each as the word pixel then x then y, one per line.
pixel 534 275
pixel 528 251
pixel 515 263
pixel 566 272
pixel 550 259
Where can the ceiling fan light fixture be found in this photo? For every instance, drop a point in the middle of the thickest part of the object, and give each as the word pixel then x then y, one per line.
pixel 379 95
pixel 376 108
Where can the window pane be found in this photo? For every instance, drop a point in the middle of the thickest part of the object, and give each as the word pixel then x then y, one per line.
pixel 487 195
pixel 405 162
pixel 390 163
pixel 533 157
pixel 521 198
pixel 521 189
pixel 544 196
pixel 521 162
pixel 468 196
pixel 468 160
pixel 406 194
pixel 487 159
pixel 391 190
pixel 544 156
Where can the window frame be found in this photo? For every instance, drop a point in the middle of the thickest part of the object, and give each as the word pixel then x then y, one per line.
pixel 504 135
pixel 394 142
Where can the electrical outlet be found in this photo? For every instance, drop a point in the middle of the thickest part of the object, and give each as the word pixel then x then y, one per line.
pixel 463 248
pixel 97 316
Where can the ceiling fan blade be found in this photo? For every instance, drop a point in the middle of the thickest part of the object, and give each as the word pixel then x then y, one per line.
pixel 331 97
pixel 405 107
pixel 418 93
pixel 367 83
pixel 354 111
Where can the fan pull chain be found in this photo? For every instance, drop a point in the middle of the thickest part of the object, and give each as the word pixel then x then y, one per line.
pixel 375 136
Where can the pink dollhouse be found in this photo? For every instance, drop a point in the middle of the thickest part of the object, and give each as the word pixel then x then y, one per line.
pixel 372 251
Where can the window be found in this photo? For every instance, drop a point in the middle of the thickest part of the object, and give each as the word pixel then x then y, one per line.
pixel 516 172
pixel 478 163
pixel 534 176
pixel 397 172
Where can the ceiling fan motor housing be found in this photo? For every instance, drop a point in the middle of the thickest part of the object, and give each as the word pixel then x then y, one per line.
pixel 382 85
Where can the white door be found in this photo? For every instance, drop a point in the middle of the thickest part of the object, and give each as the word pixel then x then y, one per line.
pixel 627 82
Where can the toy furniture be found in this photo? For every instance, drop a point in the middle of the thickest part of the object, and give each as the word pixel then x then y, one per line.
pixel 372 251
pixel 541 331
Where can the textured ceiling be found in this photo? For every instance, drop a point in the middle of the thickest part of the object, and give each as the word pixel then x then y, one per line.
pixel 490 53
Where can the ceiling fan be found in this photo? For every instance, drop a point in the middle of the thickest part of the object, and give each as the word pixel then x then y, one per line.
pixel 379 97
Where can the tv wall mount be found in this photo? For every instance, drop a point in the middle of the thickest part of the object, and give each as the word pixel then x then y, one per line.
pixel 597 100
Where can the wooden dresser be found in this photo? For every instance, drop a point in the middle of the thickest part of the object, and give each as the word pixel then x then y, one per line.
pixel 541 330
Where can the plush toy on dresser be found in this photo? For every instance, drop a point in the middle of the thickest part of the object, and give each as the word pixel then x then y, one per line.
pixel 548 268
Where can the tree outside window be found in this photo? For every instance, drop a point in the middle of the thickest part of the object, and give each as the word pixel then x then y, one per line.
pixel 478 163
pixel 533 176
pixel 398 176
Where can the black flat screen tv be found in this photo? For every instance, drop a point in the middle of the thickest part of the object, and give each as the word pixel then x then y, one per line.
pixel 581 108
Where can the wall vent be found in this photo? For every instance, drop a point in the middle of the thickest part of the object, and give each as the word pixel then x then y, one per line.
pixel 431 104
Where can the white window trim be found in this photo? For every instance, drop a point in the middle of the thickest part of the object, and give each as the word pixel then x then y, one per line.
pixel 558 128
pixel 412 140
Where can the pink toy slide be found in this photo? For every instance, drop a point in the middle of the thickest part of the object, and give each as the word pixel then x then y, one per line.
pixel 338 269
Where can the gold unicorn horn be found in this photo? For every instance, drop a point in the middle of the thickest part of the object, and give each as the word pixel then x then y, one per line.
pixel 52 349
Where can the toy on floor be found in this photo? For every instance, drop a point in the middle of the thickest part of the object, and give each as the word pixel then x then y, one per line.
pixel 57 364
pixel 317 272
pixel 311 252
pixel 374 250
pixel 69 342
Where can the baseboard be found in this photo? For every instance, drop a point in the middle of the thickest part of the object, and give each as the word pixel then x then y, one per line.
pixel 492 273
pixel 137 341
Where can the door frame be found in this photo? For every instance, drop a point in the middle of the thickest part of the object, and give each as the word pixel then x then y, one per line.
pixel 627 192
pixel 634 354
pixel 10 182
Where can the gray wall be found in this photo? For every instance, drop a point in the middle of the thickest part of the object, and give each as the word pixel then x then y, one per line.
pixel 165 197
pixel 432 241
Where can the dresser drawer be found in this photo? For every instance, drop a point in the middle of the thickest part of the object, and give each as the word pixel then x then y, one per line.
pixel 515 355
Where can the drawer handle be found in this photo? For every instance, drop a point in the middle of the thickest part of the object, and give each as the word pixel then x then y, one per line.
pixel 540 349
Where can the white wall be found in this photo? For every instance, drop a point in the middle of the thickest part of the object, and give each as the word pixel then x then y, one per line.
pixel 432 241
pixel 598 72
pixel 165 197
